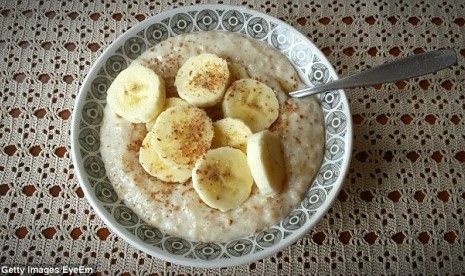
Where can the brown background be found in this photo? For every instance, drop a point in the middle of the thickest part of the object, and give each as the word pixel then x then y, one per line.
pixel 401 210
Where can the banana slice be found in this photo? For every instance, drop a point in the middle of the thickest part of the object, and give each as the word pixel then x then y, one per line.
pixel 265 156
pixel 137 94
pixel 202 80
pixel 170 102
pixel 181 135
pixel 222 178
pixel 231 132
pixel 148 158
pixel 237 71
pixel 253 102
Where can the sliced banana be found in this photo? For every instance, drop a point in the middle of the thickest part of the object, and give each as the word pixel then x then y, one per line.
pixel 175 101
pixel 137 94
pixel 237 71
pixel 181 135
pixel 252 102
pixel 152 164
pixel 231 132
pixel 222 178
pixel 202 80
pixel 170 102
pixel 265 156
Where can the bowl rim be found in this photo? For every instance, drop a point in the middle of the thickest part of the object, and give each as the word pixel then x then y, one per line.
pixel 108 218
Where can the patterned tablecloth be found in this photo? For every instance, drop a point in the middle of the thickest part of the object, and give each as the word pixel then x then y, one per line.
pixel 401 210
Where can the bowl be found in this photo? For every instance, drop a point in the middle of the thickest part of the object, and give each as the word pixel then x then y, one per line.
pixel 312 67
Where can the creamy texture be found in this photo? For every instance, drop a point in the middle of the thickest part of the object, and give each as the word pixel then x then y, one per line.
pixel 176 209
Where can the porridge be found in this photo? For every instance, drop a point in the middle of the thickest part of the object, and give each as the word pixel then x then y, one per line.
pixel 176 208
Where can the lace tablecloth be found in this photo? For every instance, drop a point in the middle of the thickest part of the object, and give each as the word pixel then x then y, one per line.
pixel 401 210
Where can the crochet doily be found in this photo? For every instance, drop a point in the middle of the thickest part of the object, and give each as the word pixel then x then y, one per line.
pixel 401 210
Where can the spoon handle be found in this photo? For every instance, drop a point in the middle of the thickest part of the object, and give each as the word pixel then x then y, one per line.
pixel 397 70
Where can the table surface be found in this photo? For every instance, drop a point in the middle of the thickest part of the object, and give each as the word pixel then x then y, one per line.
pixel 402 207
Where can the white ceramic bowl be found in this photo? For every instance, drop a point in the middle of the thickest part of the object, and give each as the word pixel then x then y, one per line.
pixel 312 67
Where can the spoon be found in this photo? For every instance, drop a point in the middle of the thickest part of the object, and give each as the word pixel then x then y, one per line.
pixel 397 70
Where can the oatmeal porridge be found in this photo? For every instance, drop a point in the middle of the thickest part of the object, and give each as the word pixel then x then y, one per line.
pixel 177 209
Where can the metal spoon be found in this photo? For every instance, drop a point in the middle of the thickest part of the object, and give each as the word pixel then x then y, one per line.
pixel 397 70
